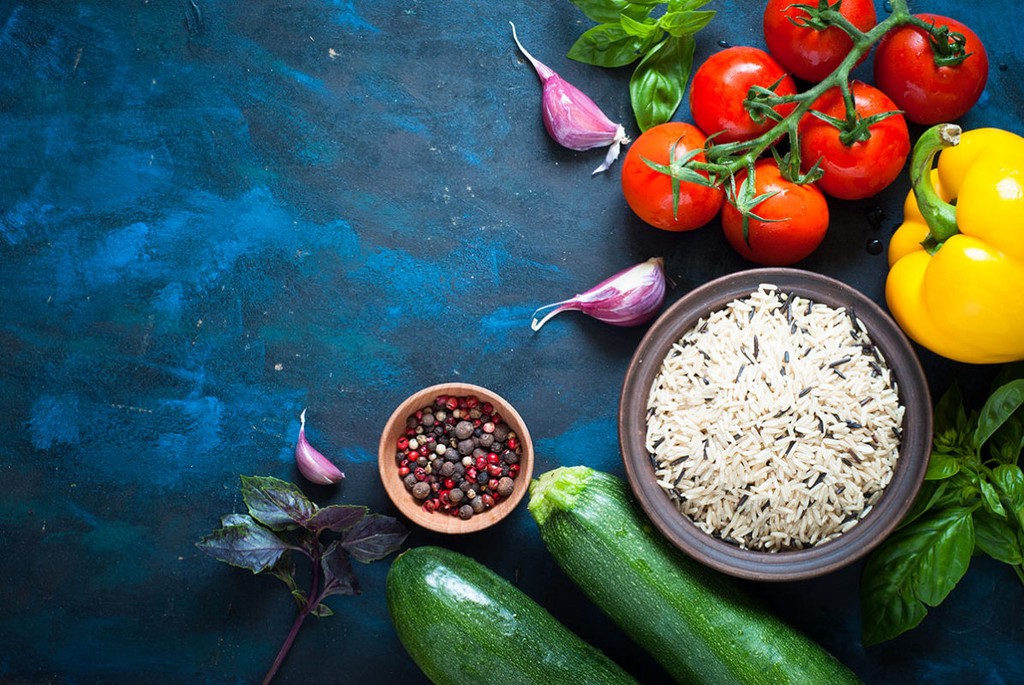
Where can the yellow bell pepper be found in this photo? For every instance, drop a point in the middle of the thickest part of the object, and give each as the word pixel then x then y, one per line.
pixel 956 264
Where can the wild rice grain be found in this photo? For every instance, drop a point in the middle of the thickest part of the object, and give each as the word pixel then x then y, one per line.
pixel 757 438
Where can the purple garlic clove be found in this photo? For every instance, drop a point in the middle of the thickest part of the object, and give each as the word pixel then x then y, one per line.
pixel 629 298
pixel 571 118
pixel 314 466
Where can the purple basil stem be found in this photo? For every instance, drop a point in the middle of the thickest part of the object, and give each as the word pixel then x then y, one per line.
pixel 571 118
pixel 314 466
pixel 629 298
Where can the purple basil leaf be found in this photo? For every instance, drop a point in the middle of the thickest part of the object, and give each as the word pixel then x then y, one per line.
pixel 321 610
pixel 244 543
pixel 374 538
pixel 277 504
pixel 336 517
pixel 339 578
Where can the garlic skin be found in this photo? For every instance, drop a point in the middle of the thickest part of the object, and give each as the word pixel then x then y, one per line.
pixel 571 118
pixel 314 467
pixel 629 298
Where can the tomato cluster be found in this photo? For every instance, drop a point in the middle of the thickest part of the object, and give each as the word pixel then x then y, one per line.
pixel 778 217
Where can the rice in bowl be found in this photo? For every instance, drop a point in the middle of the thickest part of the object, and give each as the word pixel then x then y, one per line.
pixel 774 423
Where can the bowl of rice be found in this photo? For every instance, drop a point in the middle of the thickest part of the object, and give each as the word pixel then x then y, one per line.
pixel 775 424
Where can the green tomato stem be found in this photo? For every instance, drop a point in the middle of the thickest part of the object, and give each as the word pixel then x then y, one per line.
pixel 938 214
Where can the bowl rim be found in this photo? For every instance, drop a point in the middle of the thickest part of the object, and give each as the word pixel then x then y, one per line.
pixel 403 500
pixel 820 559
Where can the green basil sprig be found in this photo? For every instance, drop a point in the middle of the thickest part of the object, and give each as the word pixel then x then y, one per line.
pixel 972 502
pixel 659 34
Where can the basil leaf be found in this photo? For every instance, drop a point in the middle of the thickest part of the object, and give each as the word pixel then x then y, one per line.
pixel 685 23
pixel 683 5
pixel 918 565
pixel 277 504
pixel 606 45
pixel 321 610
pixel 640 29
pixel 999 407
pixel 990 498
pixel 374 538
pixel 339 578
pixel 1009 481
pixel 657 84
pixel 609 11
pixel 245 544
pixel 942 466
pixel 336 517
pixel 997 538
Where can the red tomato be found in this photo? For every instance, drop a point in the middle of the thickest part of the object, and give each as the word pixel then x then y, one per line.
pixel 649 192
pixel 906 71
pixel 806 53
pixel 796 219
pixel 864 168
pixel 720 86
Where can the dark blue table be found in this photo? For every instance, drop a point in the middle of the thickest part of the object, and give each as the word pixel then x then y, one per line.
pixel 214 214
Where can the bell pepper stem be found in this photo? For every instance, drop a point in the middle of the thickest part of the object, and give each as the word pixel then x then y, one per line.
pixel 938 214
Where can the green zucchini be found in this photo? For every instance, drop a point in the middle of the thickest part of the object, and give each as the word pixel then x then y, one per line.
pixel 690 619
pixel 463 623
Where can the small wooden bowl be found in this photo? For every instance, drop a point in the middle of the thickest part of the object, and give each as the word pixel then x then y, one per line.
pixel 796 564
pixel 411 507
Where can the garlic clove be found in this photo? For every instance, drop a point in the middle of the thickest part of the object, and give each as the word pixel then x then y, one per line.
pixel 628 298
pixel 314 466
pixel 570 117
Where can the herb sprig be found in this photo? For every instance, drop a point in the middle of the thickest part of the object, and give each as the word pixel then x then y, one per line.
pixel 281 520
pixel 659 34
pixel 972 502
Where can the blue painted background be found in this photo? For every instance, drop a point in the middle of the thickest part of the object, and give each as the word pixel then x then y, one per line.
pixel 214 214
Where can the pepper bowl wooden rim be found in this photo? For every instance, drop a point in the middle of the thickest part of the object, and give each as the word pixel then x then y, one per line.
pixel 410 507
pixel 820 559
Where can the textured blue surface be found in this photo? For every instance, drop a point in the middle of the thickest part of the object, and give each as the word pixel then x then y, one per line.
pixel 214 214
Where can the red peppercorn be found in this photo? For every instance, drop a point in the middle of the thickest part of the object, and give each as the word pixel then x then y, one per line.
pixel 403 471
pixel 512 443
pixel 472 401
pixel 496 418
pixel 403 443
pixel 423 450
pixel 487 408
pixel 492 484
pixel 440 400
pixel 420 473
pixel 494 470
pixel 443 496
pixel 480 463
pixel 452 403
pixel 493 458
pixel 471 473
pixel 488 501
pixel 477 423
pixel 449 484
pixel 430 505
pixel 488 427
pixel 513 470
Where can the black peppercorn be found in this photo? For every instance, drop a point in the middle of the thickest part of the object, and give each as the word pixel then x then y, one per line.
pixel 466 511
pixel 463 429
pixel 421 490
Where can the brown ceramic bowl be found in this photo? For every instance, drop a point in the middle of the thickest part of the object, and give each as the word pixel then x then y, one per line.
pixel 413 508
pixel 786 565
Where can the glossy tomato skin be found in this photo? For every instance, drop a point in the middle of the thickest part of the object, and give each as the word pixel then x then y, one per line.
pixel 797 219
pixel 720 86
pixel 808 54
pixel 860 170
pixel 905 70
pixel 649 192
